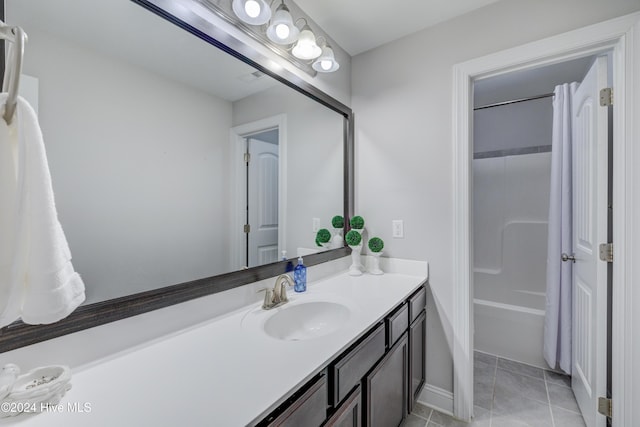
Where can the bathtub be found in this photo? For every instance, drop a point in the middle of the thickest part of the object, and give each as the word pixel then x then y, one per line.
pixel 511 208
pixel 510 331
pixel 509 301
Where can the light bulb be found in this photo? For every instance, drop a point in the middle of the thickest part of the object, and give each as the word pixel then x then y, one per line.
pixel 306 47
pixel 282 31
pixel 252 7
pixel 326 63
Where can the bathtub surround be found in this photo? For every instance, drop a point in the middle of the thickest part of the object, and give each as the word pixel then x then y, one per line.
pixel 559 313
pixel 510 212
pixel 38 283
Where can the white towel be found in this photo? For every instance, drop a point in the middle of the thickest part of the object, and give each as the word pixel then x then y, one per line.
pixel 37 280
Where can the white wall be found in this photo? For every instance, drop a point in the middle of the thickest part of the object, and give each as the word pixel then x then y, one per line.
pixel 314 159
pixel 401 94
pixel 521 125
pixel 135 161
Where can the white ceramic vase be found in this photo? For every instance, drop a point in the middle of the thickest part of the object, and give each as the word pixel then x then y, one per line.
pixel 356 261
pixel 337 241
pixel 375 263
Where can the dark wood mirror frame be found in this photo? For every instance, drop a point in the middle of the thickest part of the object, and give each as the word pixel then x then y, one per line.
pixel 19 334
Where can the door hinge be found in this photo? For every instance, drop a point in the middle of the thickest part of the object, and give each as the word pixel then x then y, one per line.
pixel 606 97
pixel 604 407
pixel 606 252
pixel 247 228
pixel 247 157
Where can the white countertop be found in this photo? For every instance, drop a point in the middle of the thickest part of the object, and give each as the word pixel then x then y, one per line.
pixel 224 372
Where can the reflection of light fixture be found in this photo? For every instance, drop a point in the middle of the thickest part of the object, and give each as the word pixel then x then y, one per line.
pixel 326 63
pixel 306 47
pixel 254 12
pixel 282 29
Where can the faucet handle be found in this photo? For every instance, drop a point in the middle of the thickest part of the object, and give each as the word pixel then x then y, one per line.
pixel 268 298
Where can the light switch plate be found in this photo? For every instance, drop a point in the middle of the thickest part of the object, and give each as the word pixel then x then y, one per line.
pixel 397 226
pixel 316 225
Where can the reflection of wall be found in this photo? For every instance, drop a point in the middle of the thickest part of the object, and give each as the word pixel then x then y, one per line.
pixel 136 162
pixel 314 159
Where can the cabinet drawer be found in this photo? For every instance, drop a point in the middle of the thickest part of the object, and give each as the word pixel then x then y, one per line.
pixel 417 303
pixel 397 324
pixel 310 409
pixel 349 370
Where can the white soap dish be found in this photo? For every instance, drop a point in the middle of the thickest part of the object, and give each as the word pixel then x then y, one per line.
pixel 35 390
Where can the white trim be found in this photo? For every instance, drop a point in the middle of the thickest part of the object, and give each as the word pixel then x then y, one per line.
pixel 620 36
pixel 238 183
pixel 437 398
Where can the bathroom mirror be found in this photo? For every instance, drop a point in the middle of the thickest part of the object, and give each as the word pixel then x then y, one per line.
pixel 146 127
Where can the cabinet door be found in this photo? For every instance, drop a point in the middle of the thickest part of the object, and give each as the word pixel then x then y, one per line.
pixel 386 388
pixel 349 414
pixel 417 354
pixel 309 410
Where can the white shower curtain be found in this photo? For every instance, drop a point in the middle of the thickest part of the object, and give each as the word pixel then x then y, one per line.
pixel 557 324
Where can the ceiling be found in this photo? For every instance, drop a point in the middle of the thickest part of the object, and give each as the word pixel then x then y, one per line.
pixel 140 38
pixel 361 25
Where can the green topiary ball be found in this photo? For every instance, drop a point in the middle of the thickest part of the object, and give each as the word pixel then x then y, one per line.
pixel 337 221
pixel 357 222
pixel 323 236
pixel 376 244
pixel 353 238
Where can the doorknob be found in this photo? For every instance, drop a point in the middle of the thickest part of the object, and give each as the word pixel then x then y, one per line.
pixel 566 257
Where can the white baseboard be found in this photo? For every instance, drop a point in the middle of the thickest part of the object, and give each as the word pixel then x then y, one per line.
pixel 437 398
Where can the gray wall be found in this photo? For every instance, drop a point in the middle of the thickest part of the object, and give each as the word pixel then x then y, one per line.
pixel 402 97
pixel 525 124
pixel 314 159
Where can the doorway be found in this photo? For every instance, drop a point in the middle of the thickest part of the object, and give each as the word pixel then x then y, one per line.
pixel 514 244
pixel 262 169
pixel 258 191
pixel 613 36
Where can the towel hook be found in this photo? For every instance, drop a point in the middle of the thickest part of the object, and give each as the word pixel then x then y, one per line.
pixel 11 82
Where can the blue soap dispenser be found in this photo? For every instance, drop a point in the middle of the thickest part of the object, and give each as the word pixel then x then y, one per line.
pixel 300 276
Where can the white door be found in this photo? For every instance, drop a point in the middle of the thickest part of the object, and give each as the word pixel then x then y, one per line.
pixel 262 206
pixel 590 128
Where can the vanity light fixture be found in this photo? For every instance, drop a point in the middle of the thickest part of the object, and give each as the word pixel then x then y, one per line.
pixel 272 23
pixel 326 62
pixel 253 12
pixel 282 30
pixel 306 47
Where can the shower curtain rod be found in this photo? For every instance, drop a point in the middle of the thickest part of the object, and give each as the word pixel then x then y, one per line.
pixel 498 104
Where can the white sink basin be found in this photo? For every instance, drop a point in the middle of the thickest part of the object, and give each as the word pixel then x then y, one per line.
pixel 306 320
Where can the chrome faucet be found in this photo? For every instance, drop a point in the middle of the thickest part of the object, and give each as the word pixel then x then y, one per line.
pixel 278 295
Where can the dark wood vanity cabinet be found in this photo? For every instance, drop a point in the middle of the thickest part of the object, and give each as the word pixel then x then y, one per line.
pixel 417 344
pixel 386 387
pixel 349 413
pixel 308 407
pixel 374 383
pixel 417 357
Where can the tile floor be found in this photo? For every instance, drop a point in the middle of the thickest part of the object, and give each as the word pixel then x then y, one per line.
pixel 510 394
